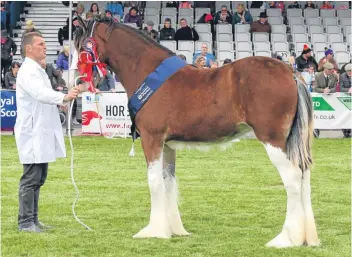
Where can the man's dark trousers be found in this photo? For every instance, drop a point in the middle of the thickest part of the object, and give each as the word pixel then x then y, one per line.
pixel 33 178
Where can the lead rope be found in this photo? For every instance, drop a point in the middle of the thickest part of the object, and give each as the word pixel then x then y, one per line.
pixel 72 158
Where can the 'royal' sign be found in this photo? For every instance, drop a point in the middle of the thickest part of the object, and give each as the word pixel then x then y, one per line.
pixel 8 109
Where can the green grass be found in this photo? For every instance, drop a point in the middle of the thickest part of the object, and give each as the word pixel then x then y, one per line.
pixel 233 202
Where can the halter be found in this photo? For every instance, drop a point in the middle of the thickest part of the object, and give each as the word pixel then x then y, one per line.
pixel 88 61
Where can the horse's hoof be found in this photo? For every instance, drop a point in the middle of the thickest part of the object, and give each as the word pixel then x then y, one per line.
pixel 280 241
pixel 181 232
pixel 153 231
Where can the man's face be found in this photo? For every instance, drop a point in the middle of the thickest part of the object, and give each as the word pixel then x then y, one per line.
pixel 329 72
pixel 204 49
pixel 349 73
pixel 37 49
pixel 223 11
pixel 149 28
pixel 263 20
pixel 167 24
pixel 308 54
pixel 183 23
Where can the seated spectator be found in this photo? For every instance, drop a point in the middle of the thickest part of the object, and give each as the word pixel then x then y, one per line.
pixel 200 62
pixel 94 9
pixel 325 81
pixel 343 70
pixel 8 50
pixel 294 5
pixel 184 4
pixel 133 17
pixel 185 32
pixel 63 34
pixel 89 16
pixel 107 83
pixel 310 4
pixel 309 77
pixel 345 79
pixel 55 76
pixel 167 33
pixel 281 5
pixel 223 16
pixel 345 86
pixel 116 9
pixel 208 19
pixel 261 25
pixel 80 11
pixel 108 14
pixel 242 16
pixel 149 31
pixel 62 59
pixel 208 57
pixel 10 77
pixel 182 57
pixel 327 5
pixel 329 57
pixel 306 60
pixel 227 61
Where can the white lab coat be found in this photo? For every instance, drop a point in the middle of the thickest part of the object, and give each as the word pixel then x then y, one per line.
pixel 38 130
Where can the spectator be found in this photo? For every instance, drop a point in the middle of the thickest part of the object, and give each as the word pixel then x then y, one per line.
pixel 309 77
pixel 182 57
pixel 281 5
pixel 62 59
pixel 94 9
pixel 108 14
pixel 10 77
pixel 167 33
pixel 305 60
pixel 29 28
pixel 208 57
pixel 200 62
pixel 227 61
pixel 343 70
pixel 133 17
pixel 116 9
pixel 327 5
pixel 261 25
pixel 345 86
pixel 8 50
pixel 80 11
pixel 152 33
pixel 208 19
pixel 345 79
pixel 130 4
pixel 309 4
pixel 329 57
pixel 325 81
pixel 107 83
pixel 242 16
pixel 185 32
pixel 185 4
pixel 223 16
pixel 63 33
pixel 89 16
pixel 294 5
pixel 55 76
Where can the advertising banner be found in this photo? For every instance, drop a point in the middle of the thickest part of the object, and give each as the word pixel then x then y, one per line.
pixel 8 109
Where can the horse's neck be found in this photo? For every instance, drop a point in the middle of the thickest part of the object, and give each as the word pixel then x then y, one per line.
pixel 132 63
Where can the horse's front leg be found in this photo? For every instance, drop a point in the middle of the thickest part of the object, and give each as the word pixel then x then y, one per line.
pixel 158 224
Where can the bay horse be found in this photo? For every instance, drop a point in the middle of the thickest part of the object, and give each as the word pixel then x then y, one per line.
pixel 204 107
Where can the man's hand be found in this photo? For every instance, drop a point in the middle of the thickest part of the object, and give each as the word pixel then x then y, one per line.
pixel 327 90
pixel 14 86
pixel 60 88
pixel 72 94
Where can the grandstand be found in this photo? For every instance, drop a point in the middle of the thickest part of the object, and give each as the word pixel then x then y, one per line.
pixel 291 29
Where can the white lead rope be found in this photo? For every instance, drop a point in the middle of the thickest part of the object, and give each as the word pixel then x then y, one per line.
pixel 72 158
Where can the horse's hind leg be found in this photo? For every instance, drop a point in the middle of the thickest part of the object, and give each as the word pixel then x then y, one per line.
pixel 158 224
pixel 172 211
pixel 293 231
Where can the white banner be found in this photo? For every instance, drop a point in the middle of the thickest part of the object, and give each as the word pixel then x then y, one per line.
pixel 105 113
pixel 331 111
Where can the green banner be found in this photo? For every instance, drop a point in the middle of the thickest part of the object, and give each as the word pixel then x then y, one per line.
pixel 320 104
pixel 347 101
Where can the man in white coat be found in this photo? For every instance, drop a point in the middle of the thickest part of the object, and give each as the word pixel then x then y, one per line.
pixel 38 130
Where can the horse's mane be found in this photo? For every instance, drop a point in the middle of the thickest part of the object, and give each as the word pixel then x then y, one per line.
pixel 85 30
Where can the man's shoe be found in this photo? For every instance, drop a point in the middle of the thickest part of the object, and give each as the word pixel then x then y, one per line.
pixel 32 228
pixel 42 226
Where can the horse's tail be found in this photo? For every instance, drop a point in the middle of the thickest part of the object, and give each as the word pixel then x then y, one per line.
pixel 299 141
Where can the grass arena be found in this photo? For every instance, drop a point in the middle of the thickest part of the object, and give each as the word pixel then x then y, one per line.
pixel 232 202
